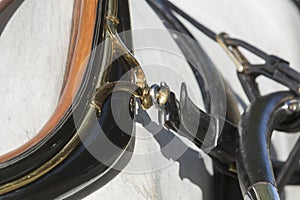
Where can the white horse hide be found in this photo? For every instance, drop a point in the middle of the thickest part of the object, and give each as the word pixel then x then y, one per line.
pixel 33 51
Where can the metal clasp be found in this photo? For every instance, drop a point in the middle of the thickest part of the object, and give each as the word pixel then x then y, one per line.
pixel 274 68
pixel 233 52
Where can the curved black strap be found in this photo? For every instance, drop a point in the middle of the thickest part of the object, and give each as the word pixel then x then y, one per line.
pixel 253 161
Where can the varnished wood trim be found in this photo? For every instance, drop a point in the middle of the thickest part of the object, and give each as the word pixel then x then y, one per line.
pixel 73 40
pixel 80 47
pixel 69 147
pixel 4 4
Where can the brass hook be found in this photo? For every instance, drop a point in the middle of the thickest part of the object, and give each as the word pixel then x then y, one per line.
pixel 233 52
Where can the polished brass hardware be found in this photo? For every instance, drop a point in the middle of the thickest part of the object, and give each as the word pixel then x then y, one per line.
pixel 233 52
pixel 232 168
pixel 107 89
pixel 149 96
pixel 42 170
pixel 113 19
pixel 160 94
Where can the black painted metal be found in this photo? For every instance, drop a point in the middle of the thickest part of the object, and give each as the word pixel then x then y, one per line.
pixel 201 128
pixel 80 166
pixel 56 140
